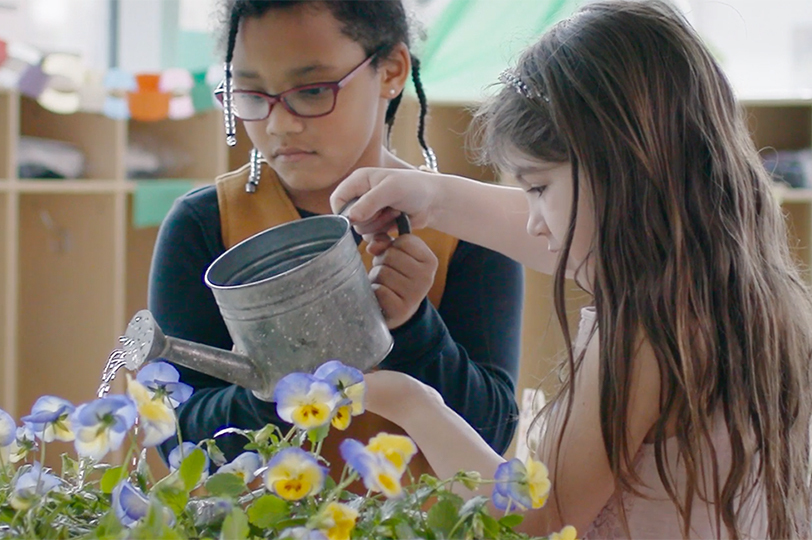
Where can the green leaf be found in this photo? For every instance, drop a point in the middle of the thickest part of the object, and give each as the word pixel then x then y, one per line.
pixel 318 434
pixel 172 491
pixel 191 469
pixel 442 517
pixel 473 505
pixel 267 510
pixel 235 526
pixel 111 478
pixel 511 520
pixel 225 485
pixel 109 526
pixel 491 526
pixel 70 467
pixel 403 530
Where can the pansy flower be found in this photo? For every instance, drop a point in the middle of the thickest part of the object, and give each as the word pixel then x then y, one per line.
pixel 8 430
pixel 293 474
pixel 101 425
pixel 305 401
pixel 24 443
pixel 519 486
pixel 337 521
pixel 377 472
pixel 244 466
pixel 32 485
pixel 157 418
pixel 163 380
pixel 398 449
pixel 130 505
pixel 50 419
pixel 347 380
pixel 567 533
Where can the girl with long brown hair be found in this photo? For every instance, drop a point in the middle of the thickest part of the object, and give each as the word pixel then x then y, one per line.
pixel 685 411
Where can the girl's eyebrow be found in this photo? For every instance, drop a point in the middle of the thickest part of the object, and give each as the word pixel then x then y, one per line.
pixel 293 73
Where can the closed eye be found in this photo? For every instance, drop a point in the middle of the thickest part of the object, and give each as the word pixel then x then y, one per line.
pixel 538 190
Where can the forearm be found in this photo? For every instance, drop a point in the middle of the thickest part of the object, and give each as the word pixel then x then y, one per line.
pixel 491 216
pixel 436 428
pixel 483 394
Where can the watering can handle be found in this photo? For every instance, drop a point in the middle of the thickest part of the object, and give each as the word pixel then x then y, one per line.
pixel 402 221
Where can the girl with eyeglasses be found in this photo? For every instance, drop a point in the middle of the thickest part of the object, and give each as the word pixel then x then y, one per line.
pixel 317 85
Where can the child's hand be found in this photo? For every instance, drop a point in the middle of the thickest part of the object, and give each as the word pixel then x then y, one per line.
pixel 402 274
pixel 385 193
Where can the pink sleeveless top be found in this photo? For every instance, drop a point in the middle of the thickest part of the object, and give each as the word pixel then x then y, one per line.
pixel 654 515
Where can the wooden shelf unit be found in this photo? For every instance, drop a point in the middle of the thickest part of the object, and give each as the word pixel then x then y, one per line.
pixel 73 268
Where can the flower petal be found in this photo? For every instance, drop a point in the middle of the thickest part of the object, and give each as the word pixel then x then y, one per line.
pixel 398 449
pixel 511 483
pixel 179 393
pixel 8 429
pixel 294 474
pixel 129 504
pixel 157 374
pixel 338 374
pixel 245 465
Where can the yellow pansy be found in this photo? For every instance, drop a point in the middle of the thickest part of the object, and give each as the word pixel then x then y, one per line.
pixel 567 533
pixel 293 474
pixel 397 449
pixel 339 521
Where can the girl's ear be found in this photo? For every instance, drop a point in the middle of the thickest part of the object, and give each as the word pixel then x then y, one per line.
pixel 395 70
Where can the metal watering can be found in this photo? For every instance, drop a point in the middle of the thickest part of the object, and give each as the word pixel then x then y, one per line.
pixel 292 297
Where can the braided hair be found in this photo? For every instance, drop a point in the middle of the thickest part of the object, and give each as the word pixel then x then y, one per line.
pixel 377 25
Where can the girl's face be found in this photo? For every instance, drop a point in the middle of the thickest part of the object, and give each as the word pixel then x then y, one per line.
pixel 286 48
pixel 549 189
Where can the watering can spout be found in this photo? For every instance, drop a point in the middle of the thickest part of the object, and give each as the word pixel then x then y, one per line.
pixel 144 341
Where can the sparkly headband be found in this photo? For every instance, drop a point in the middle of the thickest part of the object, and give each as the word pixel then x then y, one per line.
pixel 509 78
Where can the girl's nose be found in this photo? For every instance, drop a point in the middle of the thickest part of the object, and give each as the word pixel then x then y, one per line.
pixel 281 121
pixel 536 225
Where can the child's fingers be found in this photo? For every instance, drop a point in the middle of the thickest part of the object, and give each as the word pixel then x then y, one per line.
pixel 415 248
pixel 378 243
pixel 383 221
pixel 393 279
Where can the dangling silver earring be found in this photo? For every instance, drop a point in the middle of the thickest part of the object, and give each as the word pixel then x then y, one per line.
pixel 228 107
pixel 430 158
pixel 254 172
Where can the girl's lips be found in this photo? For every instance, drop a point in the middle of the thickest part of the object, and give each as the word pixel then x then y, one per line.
pixel 291 155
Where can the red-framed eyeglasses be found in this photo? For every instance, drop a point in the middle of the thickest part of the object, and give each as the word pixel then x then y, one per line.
pixel 306 101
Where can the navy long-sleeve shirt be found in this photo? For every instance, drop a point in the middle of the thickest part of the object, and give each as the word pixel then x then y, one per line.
pixel 468 349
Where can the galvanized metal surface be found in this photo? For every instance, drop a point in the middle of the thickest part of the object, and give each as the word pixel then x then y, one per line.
pixel 292 297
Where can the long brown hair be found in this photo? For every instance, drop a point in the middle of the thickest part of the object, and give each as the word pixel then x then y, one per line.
pixel 690 250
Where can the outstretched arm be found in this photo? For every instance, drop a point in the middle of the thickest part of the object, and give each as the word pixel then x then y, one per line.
pixel 582 480
pixel 468 349
pixel 485 214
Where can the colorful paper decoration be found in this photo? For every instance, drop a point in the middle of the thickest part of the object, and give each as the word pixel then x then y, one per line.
pixel 93 93
pixel 61 83
pixel 202 99
pixel 118 83
pixel 148 103
pixel 66 74
pixel 178 83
